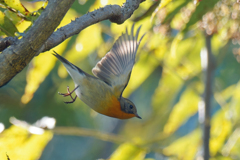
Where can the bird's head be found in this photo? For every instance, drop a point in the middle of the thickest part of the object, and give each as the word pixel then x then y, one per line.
pixel 128 107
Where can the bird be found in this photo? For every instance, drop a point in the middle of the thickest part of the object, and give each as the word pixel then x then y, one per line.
pixel 103 91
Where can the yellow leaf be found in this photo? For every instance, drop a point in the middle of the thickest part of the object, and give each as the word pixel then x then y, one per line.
pixel 17 143
pixel 185 147
pixel 16 4
pixel 221 127
pixel 236 102
pixel 34 6
pixel 128 151
pixel 186 107
pixel 175 43
pixel 169 84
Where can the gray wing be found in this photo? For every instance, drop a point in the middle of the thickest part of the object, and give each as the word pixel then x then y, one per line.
pixel 116 66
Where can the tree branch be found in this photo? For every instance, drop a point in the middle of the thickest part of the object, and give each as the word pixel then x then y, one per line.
pixel 74 131
pixel 115 13
pixel 208 66
pixel 38 39
pixel 5 42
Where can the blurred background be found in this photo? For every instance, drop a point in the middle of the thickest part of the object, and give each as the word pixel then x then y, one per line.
pixel 167 86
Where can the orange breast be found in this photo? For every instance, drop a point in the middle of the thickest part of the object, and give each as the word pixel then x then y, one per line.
pixel 113 109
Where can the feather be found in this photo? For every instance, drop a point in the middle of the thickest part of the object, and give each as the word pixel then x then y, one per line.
pixel 115 68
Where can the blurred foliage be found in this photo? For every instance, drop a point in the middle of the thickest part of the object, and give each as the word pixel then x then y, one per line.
pixel 14 16
pixel 18 143
pixel 166 84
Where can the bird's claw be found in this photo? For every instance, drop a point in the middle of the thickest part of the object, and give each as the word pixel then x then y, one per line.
pixel 69 94
pixel 73 100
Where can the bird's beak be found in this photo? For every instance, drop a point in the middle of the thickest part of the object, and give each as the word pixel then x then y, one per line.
pixel 138 116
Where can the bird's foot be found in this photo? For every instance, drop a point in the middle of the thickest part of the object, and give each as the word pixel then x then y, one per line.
pixel 69 94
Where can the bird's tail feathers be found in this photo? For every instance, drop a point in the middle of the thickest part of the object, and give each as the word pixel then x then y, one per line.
pixel 75 72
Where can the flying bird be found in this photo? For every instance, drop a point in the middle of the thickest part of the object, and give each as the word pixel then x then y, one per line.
pixel 103 93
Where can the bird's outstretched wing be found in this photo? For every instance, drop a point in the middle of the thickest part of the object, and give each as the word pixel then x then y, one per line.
pixel 116 66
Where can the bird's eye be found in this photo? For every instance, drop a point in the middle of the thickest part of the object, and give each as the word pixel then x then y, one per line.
pixel 131 107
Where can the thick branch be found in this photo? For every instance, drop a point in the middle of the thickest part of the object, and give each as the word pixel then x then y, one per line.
pixel 17 56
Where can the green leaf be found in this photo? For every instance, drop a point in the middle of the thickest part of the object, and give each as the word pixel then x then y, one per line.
pixel 6 25
pixel 13 17
pixel 128 151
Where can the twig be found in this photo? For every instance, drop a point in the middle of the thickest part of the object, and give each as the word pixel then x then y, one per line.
pixel 74 131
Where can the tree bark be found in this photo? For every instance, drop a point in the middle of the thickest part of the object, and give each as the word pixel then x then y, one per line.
pixel 208 66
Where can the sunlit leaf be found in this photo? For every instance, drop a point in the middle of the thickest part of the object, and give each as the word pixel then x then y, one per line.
pixel 186 107
pixel 6 25
pixel 218 41
pixel 164 3
pixel 175 43
pixel 33 7
pixel 184 49
pixel 18 143
pixel 16 4
pixel 221 126
pixel 236 102
pixel 223 97
pixel 232 145
pixel 185 147
pixel 167 87
pixel 163 100
pixel 128 151
pixel 220 157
